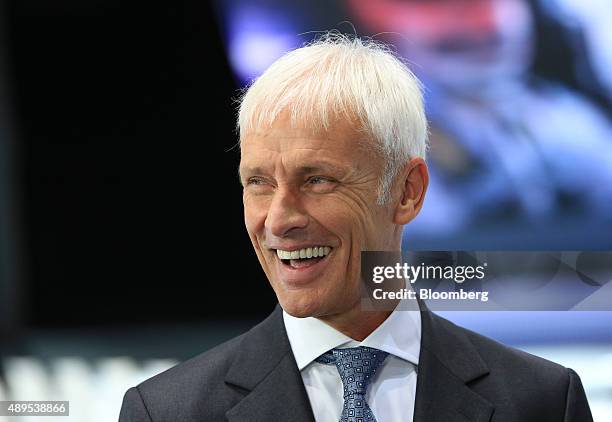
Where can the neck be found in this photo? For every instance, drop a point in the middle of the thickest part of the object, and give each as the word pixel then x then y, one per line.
pixel 357 323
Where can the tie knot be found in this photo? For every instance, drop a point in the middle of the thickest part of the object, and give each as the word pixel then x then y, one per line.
pixel 356 366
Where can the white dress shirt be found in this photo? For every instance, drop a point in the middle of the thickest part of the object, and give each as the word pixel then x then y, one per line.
pixel 391 393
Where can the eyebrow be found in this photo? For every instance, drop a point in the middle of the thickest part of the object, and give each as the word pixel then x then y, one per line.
pixel 324 167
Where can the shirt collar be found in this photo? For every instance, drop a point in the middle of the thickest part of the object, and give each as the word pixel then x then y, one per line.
pixel 398 335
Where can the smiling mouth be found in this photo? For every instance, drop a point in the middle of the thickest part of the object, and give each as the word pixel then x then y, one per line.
pixel 302 258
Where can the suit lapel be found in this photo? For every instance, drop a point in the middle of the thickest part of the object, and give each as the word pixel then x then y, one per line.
pixel 266 369
pixel 448 362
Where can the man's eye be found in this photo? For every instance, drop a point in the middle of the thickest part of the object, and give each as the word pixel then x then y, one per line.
pixel 255 181
pixel 316 180
pixel 321 184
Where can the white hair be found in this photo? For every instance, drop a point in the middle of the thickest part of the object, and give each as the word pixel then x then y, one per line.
pixel 343 76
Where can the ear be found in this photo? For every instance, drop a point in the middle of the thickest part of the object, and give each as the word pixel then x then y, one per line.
pixel 413 181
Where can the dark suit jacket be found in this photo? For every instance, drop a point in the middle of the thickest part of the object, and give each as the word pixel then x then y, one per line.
pixel 462 376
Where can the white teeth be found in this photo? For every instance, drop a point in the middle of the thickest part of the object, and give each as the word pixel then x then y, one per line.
pixel 312 252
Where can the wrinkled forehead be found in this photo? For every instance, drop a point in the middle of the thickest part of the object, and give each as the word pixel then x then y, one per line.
pixel 322 124
pixel 334 129
pixel 341 149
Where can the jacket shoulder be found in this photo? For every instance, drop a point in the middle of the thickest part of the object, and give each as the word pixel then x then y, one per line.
pixel 211 364
pixel 499 356
pixel 196 389
pixel 523 385
pixel 192 389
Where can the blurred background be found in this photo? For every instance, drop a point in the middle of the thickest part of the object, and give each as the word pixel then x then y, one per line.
pixel 122 246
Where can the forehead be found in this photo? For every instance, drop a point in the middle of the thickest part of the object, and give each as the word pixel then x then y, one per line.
pixel 343 140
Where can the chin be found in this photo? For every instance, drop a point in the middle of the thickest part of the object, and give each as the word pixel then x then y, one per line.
pixel 300 307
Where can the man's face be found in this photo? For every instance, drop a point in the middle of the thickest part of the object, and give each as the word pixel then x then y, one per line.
pixel 306 190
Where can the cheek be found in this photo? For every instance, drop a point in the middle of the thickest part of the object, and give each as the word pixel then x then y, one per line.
pixel 255 212
pixel 341 216
pixel 360 223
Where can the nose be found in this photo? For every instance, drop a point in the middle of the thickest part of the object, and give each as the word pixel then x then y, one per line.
pixel 286 213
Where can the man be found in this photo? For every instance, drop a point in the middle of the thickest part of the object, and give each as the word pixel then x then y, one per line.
pixel 333 139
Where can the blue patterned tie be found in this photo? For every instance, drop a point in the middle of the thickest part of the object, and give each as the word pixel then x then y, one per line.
pixel 357 366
